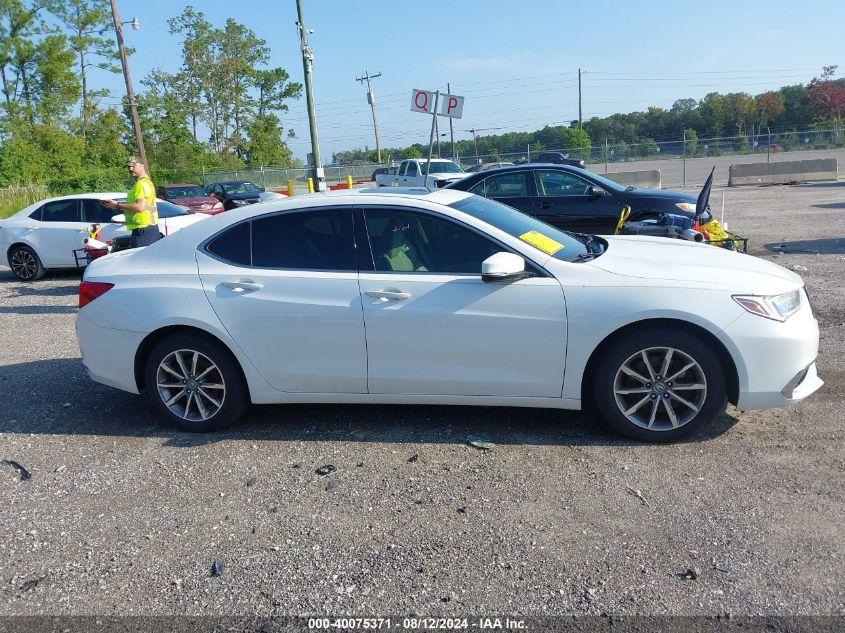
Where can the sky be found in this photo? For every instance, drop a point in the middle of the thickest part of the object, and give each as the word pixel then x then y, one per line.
pixel 515 61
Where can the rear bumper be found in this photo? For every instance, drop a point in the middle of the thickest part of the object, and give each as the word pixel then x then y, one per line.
pixel 778 359
pixel 108 354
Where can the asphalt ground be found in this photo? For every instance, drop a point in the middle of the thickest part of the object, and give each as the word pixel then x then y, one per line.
pixel 122 515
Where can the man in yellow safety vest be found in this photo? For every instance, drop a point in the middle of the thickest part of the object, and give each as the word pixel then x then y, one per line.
pixel 140 207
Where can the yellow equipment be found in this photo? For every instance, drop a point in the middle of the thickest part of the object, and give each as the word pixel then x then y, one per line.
pixel 623 217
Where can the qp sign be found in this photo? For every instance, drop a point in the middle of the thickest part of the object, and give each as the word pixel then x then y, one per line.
pixel 451 106
pixel 422 101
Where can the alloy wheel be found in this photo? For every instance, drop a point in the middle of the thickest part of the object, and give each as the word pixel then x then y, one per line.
pixel 660 388
pixel 191 385
pixel 24 264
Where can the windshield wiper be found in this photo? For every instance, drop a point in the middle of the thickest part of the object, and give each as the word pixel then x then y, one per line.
pixel 583 257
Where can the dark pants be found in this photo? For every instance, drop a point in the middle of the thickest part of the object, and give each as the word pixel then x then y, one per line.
pixel 144 236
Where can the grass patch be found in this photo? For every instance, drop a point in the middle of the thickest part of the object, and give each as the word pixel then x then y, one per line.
pixel 16 197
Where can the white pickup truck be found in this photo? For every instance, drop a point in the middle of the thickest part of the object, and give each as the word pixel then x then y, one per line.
pixel 412 173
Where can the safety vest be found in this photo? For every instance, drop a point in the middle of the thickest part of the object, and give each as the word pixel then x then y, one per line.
pixel 143 188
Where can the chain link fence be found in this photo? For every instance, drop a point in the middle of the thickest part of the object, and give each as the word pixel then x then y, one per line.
pixel 602 158
pixel 599 158
pixel 276 179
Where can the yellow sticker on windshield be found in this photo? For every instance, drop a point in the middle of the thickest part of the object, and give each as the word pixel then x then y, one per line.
pixel 538 240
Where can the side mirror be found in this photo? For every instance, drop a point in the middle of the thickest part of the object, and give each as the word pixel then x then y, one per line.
pixel 263 189
pixel 119 219
pixel 503 267
pixel 595 192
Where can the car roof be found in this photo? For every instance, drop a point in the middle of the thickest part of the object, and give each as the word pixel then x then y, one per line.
pixel 86 196
pixel 182 184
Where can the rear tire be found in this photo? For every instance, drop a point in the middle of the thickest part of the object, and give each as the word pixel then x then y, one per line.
pixel 195 383
pixel 25 264
pixel 679 391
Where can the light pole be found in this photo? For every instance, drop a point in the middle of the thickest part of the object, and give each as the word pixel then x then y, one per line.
pixel 307 67
pixel 130 92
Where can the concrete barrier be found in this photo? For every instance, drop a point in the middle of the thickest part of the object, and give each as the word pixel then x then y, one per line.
pixel 649 178
pixel 783 172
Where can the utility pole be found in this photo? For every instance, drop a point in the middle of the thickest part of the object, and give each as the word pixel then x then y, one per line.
pixel 579 99
pixel 475 140
pixel 371 99
pixel 451 128
pixel 437 135
pixel 307 67
pixel 130 92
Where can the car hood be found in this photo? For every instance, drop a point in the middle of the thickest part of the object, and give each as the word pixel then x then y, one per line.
pixel 194 202
pixel 674 260
pixel 243 196
pixel 661 194
pixel 447 175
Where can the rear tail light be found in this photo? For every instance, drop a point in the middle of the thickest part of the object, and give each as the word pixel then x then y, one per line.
pixel 90 290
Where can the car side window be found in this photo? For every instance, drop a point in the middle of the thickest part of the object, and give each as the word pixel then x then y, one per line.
pixel 553 184
pixel 61 211
pixel 412 169
pixel 410 241
pixel 233 245
pixel 96 213
pixel 312 240
pixel 506 186
pixel 402 167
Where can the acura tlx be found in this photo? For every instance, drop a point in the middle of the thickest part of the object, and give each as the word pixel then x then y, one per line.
pixel 443 297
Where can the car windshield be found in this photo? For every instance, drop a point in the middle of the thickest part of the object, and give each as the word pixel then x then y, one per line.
pixel 240 187
pixel 544 237
pixel 441 167
pixel 185 192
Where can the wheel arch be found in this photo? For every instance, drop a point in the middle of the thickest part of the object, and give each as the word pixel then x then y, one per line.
pixel 17 244
pixel 152 339
pixel 724 356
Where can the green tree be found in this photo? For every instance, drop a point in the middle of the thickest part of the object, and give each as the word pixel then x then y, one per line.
pixel 692 142
pixel 266 145
pixel 88 23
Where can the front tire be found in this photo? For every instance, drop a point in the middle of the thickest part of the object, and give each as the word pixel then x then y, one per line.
pixel 195 383
pixel 659 385
pixel 25 264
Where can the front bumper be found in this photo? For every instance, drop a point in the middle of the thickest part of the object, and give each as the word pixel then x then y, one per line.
pixel 777 364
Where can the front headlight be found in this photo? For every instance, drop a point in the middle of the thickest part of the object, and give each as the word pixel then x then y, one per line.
pixel 776 307
pixel 239 203
pixel 686 206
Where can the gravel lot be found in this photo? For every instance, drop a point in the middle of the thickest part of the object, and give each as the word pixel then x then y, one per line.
pixel 124 516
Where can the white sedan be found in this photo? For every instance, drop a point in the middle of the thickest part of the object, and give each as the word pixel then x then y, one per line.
pixel 171 218
pixel 45 234
pixel 442 298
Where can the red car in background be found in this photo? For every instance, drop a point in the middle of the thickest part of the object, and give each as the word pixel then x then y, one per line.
pixel 192 197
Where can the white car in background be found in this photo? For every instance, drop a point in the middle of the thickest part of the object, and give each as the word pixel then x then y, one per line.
pixel 44 235
pixel 414 172
pixel 171 217
pixel 411 297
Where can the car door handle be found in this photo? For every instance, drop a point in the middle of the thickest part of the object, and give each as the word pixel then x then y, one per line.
pixel 388 294
pixel 243 284
pixel 545 205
